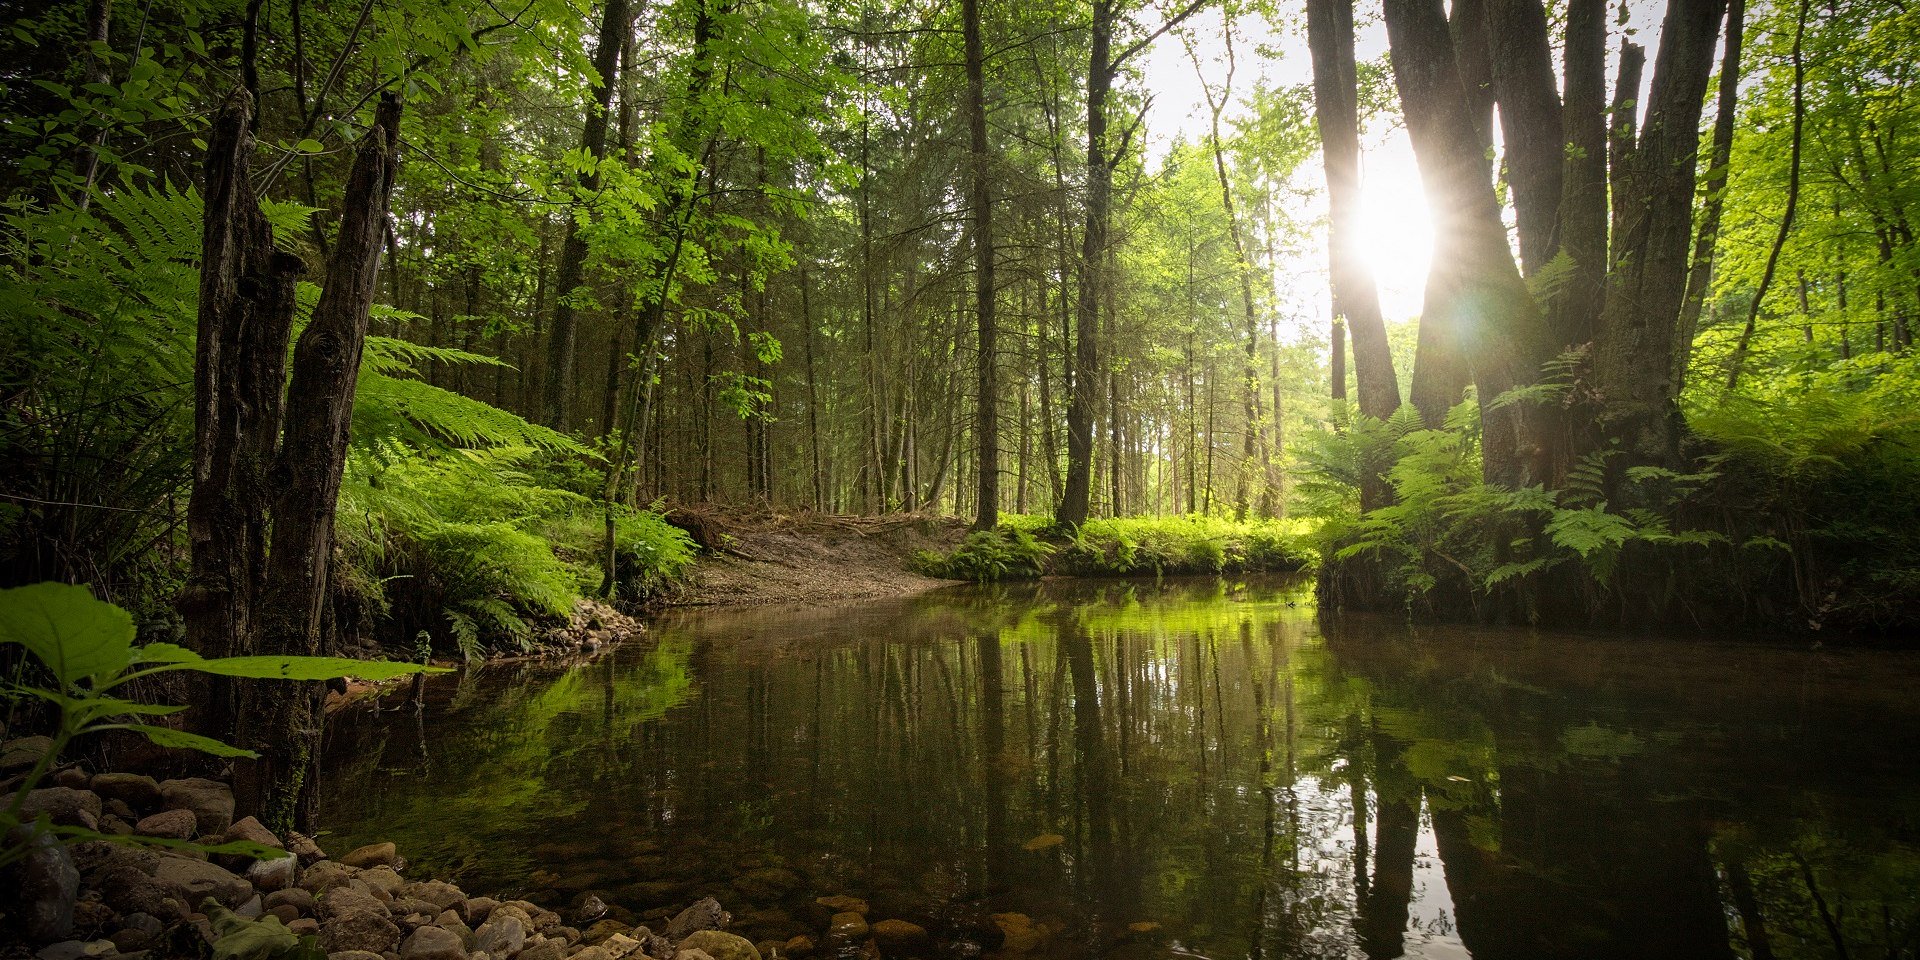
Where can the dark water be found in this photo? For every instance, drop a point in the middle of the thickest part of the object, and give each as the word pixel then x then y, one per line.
pixel 1180 770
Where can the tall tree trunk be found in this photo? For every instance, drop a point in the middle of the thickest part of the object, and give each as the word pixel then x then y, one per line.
pixel 1707 240
pixel 1633 367
pixel 1574 309
pixel 1482 299
pixel 980 200
pixel 563 336
pixel 1355 297
pixel 1085 387
pixel 283 784
pixel 269 454
pixel 1531 125
pixel 1786 215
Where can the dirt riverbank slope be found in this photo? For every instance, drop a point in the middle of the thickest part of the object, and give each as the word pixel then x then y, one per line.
pixel 755 558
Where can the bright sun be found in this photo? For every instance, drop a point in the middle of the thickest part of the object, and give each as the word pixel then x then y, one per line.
pixel 1396 235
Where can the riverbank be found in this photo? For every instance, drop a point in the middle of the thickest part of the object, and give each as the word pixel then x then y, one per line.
pixel 752 558
pixel 166 881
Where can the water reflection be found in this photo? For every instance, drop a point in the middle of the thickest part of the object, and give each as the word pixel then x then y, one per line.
pixel 1142 770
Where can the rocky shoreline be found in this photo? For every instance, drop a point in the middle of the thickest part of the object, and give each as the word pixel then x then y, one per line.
pixel 122 900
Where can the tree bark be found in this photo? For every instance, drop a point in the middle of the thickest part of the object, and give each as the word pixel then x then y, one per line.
pixel 1531 125
pixel 1634 362
pixel 1084 391
pixel 269 454
pixel 1706 241
pixel 282 785
pixel 563 335
pixel 1786 215
pixel 980 200
pixel 1355 296
pixel 1574 309
pixel 1474 288
pixel 244 325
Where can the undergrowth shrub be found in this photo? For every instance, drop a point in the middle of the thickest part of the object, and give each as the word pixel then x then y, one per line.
pixel 1124 546
pixel 473 551
pixel 987 555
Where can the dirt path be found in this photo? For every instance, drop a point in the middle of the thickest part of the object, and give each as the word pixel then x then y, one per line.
pixel 807 558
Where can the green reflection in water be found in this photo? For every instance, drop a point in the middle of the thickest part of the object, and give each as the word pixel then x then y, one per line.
pixel 1172 769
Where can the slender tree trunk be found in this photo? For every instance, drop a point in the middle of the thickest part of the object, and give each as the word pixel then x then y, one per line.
pixel 1706 241
pixel 980 200
pixel 563 336
pixel 1792 205
pixel 1085 386
pixel 1355 297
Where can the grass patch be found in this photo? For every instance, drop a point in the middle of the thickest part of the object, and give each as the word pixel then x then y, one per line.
pixel 1027 546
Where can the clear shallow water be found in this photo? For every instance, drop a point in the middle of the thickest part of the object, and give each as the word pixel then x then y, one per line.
pixel 1176 770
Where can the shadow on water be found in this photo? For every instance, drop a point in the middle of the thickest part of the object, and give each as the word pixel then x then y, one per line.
pixel 1185 768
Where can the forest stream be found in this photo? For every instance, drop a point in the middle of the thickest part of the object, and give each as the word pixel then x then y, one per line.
pixel 1187 768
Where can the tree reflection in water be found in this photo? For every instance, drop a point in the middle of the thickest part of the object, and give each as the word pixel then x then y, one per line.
pixel 1200 768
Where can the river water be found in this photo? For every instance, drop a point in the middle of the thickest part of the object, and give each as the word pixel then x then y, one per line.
pixel 1184 769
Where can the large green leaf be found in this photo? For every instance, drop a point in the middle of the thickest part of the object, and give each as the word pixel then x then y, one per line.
pixel 180 739
pixel 308 668
pixel 63 626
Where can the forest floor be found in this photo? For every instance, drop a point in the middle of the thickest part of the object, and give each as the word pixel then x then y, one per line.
pixel 766 557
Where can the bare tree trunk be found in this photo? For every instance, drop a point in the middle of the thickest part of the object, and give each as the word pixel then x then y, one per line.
pixel 241 597
pixel 1355 297
pixel 282 784
pixel 1633 367
pixel 1706 242
pixel 980 200
pixel 1084 389
pixel 1574 310
pixel 1482 298
pixel 562 339
pixel 1531 125
pixel 1786 215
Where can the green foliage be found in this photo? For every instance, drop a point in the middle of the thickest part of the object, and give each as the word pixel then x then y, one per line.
pixel 86 647
pixel 986 555
pixel 1191 544
pixel 1446 527
pixel 475 550
pixel 1124 546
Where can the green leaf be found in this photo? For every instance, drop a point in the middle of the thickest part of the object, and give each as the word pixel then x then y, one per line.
pixel 308 668
pixel 309 145
pixel 180 739
pixel 75 635
pixel 164 653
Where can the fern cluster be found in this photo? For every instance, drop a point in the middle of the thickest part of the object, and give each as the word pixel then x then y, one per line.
pixel 472 550
pixel 1447 534
pixel 1007 553
pixel 457 518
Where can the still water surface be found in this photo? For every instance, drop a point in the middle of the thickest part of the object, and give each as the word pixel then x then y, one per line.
pixel 1195 769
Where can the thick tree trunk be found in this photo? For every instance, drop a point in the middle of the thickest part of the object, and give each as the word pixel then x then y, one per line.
pixel 245 322
pixel 1633 367
pixel 980 200
pixel 1481 297
pixel 1574 309
pixel 563 335
pixel 250 472
pixel 1531 125
pixel 281 786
